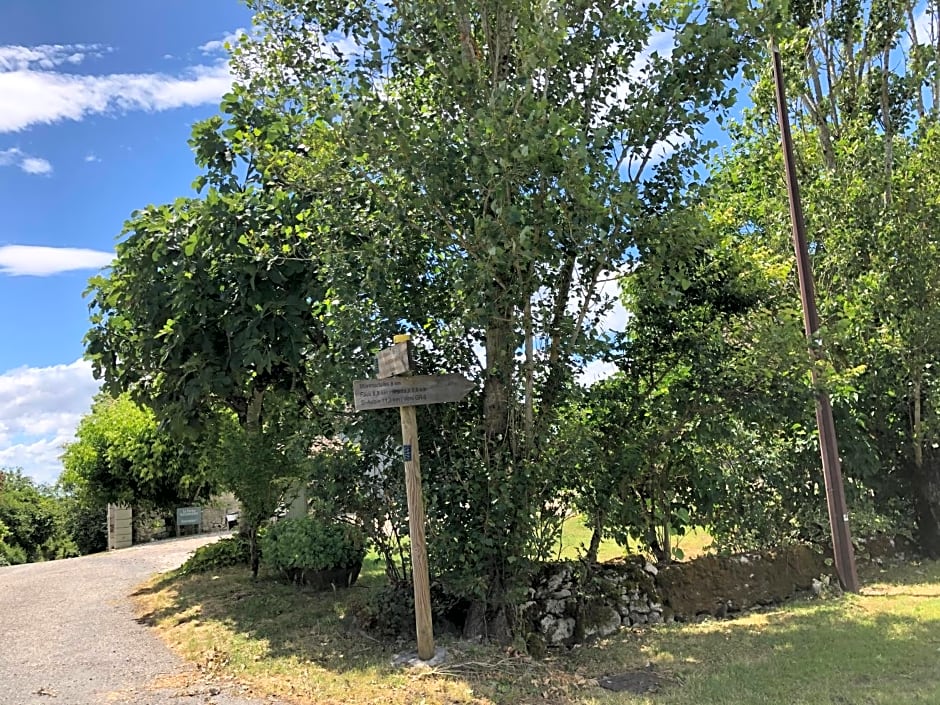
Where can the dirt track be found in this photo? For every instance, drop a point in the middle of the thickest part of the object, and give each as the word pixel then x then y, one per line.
pixel 68 634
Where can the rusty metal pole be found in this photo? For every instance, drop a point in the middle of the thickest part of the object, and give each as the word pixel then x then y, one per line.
pixel 828 445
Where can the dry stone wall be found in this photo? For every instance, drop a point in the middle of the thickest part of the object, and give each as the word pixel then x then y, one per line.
pixel 570 602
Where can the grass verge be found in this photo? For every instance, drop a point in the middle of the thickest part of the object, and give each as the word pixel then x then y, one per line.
pixel 879 647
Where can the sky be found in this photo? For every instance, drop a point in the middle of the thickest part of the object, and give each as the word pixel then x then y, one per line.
pixel 97 99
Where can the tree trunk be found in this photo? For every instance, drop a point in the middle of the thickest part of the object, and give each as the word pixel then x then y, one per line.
pixel 499 348
pixel 888 125
pixel 489 617
pixel 550 390
pixel 529 418
pixel 253 552
pixel 253 425
pixel 925 480
pixel 917 423
pixel 926 488
pixel 934 14
pixel 596 535
pixel 490 621
pixel 667 542
pixel 915 41
pixel 815 105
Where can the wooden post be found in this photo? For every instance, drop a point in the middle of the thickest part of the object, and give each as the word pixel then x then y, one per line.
pixel 393 387
pixel 419 551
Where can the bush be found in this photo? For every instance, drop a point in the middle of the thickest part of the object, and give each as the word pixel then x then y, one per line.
pixel 11 555
pixel 390 611
pixel 220 554
pixel 86 524
pixel 312 551
pixel 30 521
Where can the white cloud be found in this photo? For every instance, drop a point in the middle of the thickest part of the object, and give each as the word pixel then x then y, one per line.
pixel 29 260
pixel 46 56
pixel 605 302
pixel 923 25
pixel 34 92
pixel 595 371
pixel 635 162
pixel 633 88
pixel 35 165
pixel 40 407
pixel 38 459
pixel 218 45
pixel 661 43
pixel 10 156
pixel 616 317
pixel 613 318
pixel 92 157
pixel 345 46
pixel 31 165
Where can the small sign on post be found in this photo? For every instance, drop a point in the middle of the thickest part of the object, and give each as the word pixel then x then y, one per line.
pixel 407 392
pixel 395 360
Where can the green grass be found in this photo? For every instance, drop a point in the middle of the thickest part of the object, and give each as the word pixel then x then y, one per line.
pixel 860 649
pixel 879 647
pixel 575 538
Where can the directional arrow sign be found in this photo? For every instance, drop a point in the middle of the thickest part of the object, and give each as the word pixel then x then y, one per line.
pixel 409 391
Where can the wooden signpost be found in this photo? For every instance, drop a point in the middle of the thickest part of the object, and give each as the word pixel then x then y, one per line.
pixel 409 391
pixel 389 391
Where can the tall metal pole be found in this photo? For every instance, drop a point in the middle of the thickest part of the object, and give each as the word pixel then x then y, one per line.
pixel 828 445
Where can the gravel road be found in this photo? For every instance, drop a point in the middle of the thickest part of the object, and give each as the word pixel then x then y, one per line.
pixel 68 634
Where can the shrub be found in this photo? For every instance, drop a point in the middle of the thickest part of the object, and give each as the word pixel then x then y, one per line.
pixel 220 554
pixel 86 524
pixel 30 521
pixel 304 547
pixel 390 611
pixel 11 555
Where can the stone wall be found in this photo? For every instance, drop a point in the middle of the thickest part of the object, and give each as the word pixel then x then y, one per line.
pixel 569 603
pixel 572 602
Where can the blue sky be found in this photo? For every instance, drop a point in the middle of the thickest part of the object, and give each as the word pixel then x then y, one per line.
pixel 96 103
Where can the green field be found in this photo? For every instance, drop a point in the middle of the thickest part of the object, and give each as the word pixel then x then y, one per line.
pixel 575 537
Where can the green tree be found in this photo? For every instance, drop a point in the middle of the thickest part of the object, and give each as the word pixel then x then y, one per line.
pixel 30 521
pixel 122 456
pixel 208 312
pixel 493 157
pixel 867 109
pixel 653 468
pixel 467 172
pixel 258 462
pixel 84 521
